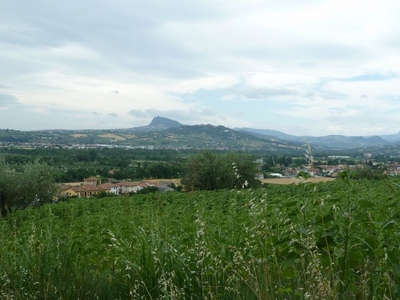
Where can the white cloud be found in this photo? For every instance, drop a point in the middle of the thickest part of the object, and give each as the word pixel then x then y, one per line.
pixel 204 83
pixel 277 80
pixel 203 61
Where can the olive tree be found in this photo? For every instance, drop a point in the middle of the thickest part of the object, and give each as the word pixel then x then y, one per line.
pixel 30 184
pixel 211 171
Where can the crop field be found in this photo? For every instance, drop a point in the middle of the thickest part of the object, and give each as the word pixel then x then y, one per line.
pixel 328 240
pixel 113 136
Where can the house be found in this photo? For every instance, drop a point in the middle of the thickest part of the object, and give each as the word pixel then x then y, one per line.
pixel 313 172
pixel 126 187
pixel 91 181
pixel 329 170
pixel 81 191
pixel 67 190
pixel 290 172
pixel 109 188
pixel 91 190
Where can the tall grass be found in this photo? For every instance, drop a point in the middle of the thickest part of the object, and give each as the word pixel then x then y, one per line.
pixel 336 240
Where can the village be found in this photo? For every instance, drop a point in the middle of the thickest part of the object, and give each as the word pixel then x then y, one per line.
pixel 93 186
pixel 96 185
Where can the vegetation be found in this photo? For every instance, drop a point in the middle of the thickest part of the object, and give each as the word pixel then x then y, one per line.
pixel 73 165
pixel 155 136
pixel 336 240
pixel 31 184
pixel 212 171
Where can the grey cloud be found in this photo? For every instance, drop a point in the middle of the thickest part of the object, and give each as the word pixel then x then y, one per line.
pixel 112 115
pixel 364 96
pixel 6 100
pixel 133 38
pixel 96 113
pixel 115 92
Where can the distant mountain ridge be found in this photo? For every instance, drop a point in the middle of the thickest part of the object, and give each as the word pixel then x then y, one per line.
pixel 391 137
pixel 329 141
pixel 167 133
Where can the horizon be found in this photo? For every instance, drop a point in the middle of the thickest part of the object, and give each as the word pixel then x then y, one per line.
pixel 232 128
pixel 305 68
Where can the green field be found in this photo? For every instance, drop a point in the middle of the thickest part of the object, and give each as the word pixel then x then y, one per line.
pixel 333 240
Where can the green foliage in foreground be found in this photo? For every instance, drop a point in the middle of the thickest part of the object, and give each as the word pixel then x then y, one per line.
pixel 30 184
pixel 336 240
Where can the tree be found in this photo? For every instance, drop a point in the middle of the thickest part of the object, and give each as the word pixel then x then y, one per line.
pixel 31 184
pixel 210 171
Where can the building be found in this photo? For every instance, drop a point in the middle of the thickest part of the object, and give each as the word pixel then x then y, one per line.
pixel 91 181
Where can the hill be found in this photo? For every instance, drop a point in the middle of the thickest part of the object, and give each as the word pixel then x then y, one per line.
pixel 160 133
pixel 157 124
pixel 166 133
pixel 328 142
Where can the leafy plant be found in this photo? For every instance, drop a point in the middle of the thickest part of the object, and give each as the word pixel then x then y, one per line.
pixel 333 240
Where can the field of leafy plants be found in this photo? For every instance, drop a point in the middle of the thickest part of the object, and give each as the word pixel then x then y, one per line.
pixel 333 240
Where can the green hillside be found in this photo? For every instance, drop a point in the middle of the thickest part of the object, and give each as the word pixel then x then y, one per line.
pixel 193 137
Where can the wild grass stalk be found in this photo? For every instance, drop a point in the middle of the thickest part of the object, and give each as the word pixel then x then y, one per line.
pixel 335 240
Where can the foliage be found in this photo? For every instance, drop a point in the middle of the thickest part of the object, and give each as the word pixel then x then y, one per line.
pixel 210 171
pixel 367 172
pixel 74 165
pixel 104 194
pixel 30 184
pixel 147 190
pixel 335 240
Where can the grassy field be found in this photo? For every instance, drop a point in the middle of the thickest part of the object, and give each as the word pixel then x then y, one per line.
pixel 328 240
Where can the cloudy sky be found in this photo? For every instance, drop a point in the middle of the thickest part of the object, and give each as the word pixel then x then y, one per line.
pixel 298 66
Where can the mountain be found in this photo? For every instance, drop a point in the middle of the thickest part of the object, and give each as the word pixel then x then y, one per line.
pixel 272 133
pixel 329 141
pixel 164 122
pixel 167 133
pixel 152 136
pixel 157 124
pixel 392 137
pixel 221 137
pixel 346 142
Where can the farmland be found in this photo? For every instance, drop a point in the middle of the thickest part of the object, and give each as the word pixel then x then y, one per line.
pixel 328 240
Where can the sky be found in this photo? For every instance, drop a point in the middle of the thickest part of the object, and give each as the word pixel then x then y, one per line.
pixel 303 67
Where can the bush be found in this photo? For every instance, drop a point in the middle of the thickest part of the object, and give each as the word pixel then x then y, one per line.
pixel 210 171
